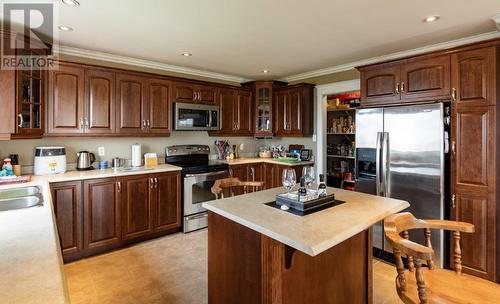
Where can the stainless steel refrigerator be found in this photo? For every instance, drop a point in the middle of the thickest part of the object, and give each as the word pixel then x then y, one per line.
pixel 400 153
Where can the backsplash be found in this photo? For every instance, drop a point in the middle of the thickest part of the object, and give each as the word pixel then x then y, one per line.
pixel 121 146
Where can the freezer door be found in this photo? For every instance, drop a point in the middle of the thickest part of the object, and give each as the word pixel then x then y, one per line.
pixel 369 127
pixel 414 141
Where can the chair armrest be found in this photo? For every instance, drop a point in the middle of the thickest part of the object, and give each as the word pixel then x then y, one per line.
pixel 450 225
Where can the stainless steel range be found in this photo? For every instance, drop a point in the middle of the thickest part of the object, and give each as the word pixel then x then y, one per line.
pixel 199 175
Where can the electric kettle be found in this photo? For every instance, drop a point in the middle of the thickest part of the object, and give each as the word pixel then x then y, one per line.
pixel 84 160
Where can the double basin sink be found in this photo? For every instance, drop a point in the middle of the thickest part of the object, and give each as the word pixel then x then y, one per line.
pixel 20 198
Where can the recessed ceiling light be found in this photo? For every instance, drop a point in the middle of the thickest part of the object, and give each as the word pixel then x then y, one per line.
pixel 431 19
pixel 265 71
pixel 187 54
pixel 71 2
pixel 65 28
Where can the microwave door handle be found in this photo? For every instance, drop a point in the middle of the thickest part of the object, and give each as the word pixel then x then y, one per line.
pixel 378 163
pixel 209 118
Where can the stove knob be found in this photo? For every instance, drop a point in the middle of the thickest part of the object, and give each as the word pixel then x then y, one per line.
pixel 199 149
pixel 169 150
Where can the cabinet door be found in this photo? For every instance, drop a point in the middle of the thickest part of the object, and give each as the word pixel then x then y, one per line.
pixel 243 113
pixel 100 101
pixel 136 207
pixel 68 209
pixel 426 79
pixel 281 112
pixel 473 76
pixel 206 94
pixel 166 201
pixel 226 105
pixel 130 104
pixel 158 106
pixel 183 92
pixel 473 181
pixel 269 175
pixel 66 100
pixel 380 84
pixel 295 112
pixel 101 213
pixel 255 174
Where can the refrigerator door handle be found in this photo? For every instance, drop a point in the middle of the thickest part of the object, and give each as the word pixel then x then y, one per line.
pixel 378 163
pixel 385 168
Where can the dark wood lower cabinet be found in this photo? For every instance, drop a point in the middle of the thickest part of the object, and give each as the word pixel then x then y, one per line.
pixel 67 199
pixel 98 215
pixel 136 206
pixel 102 220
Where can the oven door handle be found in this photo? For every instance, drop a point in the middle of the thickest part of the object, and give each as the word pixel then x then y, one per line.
pixel 196 216
pixel 207 174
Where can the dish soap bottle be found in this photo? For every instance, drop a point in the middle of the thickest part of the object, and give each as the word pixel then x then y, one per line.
pixel 321 186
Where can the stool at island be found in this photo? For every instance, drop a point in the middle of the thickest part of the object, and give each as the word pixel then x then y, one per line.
pixel 430 285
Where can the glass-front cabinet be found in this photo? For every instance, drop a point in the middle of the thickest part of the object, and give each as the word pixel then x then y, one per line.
pixel 30 99
pixel 263 92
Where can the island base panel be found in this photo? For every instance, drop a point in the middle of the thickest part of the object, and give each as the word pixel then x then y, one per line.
pixel 245 266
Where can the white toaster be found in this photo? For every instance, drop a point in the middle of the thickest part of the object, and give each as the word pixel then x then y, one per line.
pixel 50 160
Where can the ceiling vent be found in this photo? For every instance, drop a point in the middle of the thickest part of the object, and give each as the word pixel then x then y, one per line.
pixel 496 19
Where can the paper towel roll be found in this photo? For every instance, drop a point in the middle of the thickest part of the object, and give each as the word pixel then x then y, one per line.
pixel 136 155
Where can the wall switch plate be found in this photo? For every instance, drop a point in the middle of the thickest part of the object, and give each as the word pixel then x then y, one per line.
pixel 101 151
pixel 314 138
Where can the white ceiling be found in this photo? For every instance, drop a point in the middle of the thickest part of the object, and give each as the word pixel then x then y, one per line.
pixel 243 37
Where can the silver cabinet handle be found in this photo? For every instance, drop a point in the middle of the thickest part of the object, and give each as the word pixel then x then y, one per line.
pixel 148 124
pixel 453 94
pixel 82 125
pixel 453 148
pixel 397 89
pixel 156 182
pixel 453 205
pixel 86 120
pixel 151 183
pixel 21 121
pixel 402 87
pixel 119 186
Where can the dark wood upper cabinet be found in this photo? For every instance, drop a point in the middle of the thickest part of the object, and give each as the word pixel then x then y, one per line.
pixel 102 213
pixel 426 78
pixel 158 106
pixel 68 208
pixel 66 104
pixel 99 101
pixel 226 110
pixel 166 201
pixel 243 113
pixel 473 76
pixel 130 99
pixel 294 110
pixel 194 93
pixel 380 84
pixel 136 206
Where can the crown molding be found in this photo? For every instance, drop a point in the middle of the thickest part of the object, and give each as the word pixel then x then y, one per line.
pixel 103 56
pixel 393 56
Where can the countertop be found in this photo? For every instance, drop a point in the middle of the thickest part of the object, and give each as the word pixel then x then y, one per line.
pixel 252 160
pixel 313 233
pixel 31 265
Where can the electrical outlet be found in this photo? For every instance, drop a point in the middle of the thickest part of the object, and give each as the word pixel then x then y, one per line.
pixel 314 139
pixel 101 151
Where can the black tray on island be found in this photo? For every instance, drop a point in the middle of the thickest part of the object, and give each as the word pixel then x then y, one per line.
pixel 309 211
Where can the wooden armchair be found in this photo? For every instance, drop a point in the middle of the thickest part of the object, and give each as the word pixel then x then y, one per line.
pixel 440 285
pixel 231 182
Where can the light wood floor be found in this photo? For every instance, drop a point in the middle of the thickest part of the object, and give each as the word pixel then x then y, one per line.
pixel 172 269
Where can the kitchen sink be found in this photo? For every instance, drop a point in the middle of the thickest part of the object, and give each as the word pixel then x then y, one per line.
pixel 20 202
pixel 134 169
pixel 19 192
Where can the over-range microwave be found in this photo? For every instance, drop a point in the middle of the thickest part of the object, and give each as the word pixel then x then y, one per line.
pixel 190 117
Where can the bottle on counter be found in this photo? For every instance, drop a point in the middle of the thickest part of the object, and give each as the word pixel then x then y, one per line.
pixel 321 186
pixel 302 189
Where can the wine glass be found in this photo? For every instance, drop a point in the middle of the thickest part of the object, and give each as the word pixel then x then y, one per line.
pixel 289 179
pixel 309 176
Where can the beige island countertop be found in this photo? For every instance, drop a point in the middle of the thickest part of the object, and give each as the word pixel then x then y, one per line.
pixel 313 233
pixel 253 160
pixel 31 265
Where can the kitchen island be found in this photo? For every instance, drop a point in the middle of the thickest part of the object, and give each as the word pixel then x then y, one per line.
pixel 260 254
